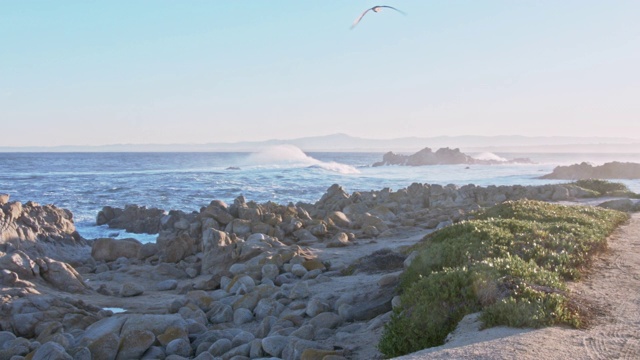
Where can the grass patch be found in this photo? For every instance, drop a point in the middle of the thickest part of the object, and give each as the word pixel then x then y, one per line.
pixel 605 188
pixel 511 263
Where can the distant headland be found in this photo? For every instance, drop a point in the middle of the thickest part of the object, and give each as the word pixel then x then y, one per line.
pixel 347 143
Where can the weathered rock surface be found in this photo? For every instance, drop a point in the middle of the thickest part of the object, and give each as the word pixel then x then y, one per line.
pixel 107 249
pixel 133 218
pixel 40 231
pixel 582 171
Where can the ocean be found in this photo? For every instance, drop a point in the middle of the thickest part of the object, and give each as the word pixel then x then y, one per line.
pixel 85 182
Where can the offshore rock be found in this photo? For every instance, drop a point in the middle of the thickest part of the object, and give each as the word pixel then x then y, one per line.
pixel 443 156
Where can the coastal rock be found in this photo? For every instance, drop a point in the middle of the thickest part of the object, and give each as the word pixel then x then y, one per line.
pixel 298 270
pixel 135 344
pixel 244 337
pixel 40 231
pixel 335 199
pixel 296 347
pixel 242 316
pixel 19 263
pixel 326 320
pixel 238 352
pixel 220 347
pixel 582 171
pixel 305 236
pixel 339 219
pixel 175 247
pixel 240 227
pixel 442 156
pixel 270 271
pixel 61 275
pixel 51 351
pixel 340 239
pixel 133 218
pixel 621 205
pixel 180 347
pixel 220 313
pixel 218 251
pixel 129 289
pixel 147 250
pixel 108 249
pixel 273 345
pixel 218 210
pixel 103 337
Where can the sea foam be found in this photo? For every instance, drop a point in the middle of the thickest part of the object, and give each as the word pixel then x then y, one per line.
pixel 489 156
pixel 289 156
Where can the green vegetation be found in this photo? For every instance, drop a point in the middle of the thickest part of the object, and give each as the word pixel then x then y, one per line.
pixel 605 188
pixel 510 263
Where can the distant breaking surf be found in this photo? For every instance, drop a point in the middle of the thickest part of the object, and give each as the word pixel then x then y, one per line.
pixel 289 156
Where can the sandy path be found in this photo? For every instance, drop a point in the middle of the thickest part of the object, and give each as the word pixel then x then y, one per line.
pixel 613 284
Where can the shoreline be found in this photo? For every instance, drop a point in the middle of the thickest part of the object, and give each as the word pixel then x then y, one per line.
pixel 301 276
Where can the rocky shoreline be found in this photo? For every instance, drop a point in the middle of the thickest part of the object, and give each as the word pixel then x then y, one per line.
pixel 238 281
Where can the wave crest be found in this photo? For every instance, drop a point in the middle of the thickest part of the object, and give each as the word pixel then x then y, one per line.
pixel 489 156
pixel 289 156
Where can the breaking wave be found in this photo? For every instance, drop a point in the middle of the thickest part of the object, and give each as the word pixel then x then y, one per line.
pixel 289 156
pixel 489 156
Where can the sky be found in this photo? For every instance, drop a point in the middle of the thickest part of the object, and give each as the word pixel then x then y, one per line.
pixel 165 72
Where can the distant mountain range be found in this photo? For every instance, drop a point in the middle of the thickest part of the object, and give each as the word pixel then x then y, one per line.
pixel 343 142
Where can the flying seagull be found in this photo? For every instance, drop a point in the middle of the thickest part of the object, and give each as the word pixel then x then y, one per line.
pixel 376 8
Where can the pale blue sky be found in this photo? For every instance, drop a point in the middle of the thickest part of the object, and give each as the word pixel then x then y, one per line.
pixel 106 72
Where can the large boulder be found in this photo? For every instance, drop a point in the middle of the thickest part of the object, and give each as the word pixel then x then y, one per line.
pixel 133 218
pixel 40 231
pixel 174 248
pixel 18 262
pixel 107 249
pixel 25 316
pixel 104 338
pixel 218 211
pixel 61 275
pixel 219 251
pixel 335 199
pixel 621 205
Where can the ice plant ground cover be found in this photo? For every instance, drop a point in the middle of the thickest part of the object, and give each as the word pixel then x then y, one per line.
pixel 511 263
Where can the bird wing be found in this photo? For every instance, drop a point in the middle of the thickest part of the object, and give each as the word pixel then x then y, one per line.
pixel 360 18
pixel 391 7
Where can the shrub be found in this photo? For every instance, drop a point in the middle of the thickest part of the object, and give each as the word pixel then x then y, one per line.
pixel 431 308
pixel 605 188
pixel 511 263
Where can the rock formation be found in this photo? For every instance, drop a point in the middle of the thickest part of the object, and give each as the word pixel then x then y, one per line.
pixel 40 231
pixel 443 156
pixel 37 243
pixel 246 280
pixel 133 218
pixel 582 171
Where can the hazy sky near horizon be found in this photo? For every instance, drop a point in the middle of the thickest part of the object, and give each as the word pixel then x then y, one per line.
pixel 160 71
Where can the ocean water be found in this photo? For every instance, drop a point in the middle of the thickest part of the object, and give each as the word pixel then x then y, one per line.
pixel 85 182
